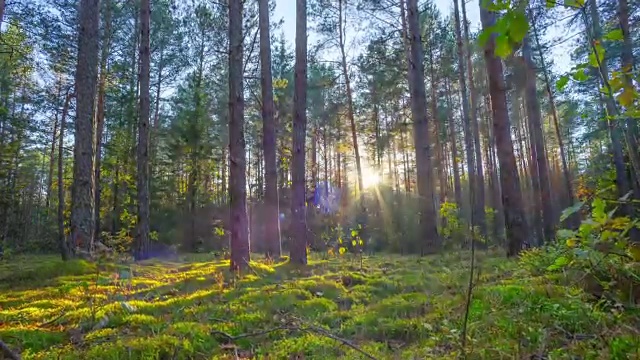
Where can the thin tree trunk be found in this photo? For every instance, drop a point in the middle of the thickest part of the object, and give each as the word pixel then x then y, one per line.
pixel 298 252
pixel 52 157
pixel 534 116
pixel 428 214
pixel 515 222
pixel 271 209
pixel 142 235
pixel 477 215
pixel 556 124
pixel 82 205
pixel 62 241
pixel 106 41
pixel 237 148
pixel 457 187
pixel 480 196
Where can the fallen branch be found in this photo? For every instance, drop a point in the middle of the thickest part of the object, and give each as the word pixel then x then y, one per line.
pixel 318 330
pixel 8 353
pixel 254 334
pixel 325 333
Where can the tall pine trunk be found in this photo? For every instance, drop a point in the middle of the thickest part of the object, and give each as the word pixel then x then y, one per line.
pixel 106 40
pixel 298 249
pixel 515 222
pixel 237 150
pixel 480 196
pixel 142 235
pixel 477 217
pixel 534 116
pixel 82 205
pixel 271 209
pixel 428 214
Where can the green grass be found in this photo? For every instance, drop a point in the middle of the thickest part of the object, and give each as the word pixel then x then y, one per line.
pixel 394 308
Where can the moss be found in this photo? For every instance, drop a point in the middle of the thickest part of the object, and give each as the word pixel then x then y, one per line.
pixel 397 307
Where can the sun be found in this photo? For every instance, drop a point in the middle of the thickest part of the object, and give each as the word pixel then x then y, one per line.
pixel 370 177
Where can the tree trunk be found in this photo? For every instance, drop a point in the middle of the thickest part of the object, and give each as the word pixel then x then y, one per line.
pixel 477 215
pixel 515 222
pixel 480 197
pixel 240 256
pixel 106 40
pixel 428 214
pixel 298 210
pixel 142 235
pixel 556 125
pixel 52 157
pixel 271 209
pixel 615 130
pixel 457 187
pixel 62 241
pixel 535 125
pixel 82 210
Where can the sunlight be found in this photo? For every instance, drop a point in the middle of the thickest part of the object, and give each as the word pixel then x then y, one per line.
pixel 370 177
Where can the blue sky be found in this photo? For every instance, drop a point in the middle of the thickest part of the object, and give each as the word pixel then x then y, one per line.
pixel 286 9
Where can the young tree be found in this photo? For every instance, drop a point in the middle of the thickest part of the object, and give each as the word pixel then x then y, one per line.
pixel 142 235
pixel 298 188
pixel 237 170
pixel 82 216
pixel 271 208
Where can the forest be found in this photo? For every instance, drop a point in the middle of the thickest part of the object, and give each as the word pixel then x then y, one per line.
pixel 319 179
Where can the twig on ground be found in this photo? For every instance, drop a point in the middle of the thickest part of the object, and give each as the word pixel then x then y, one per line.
pixel 318 330
pixel 46 323
pixel 257 333
pixel 8 353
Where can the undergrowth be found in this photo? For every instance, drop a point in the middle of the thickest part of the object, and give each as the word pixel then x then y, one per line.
pixel 389 307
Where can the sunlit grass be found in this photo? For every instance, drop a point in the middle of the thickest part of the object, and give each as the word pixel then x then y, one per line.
pixel 396 307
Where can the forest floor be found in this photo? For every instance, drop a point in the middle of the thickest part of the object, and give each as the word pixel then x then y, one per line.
pixel 392 307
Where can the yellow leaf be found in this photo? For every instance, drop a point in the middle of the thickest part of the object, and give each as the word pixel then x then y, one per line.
pixel 627 96
pixel 634 251
pixel 572 243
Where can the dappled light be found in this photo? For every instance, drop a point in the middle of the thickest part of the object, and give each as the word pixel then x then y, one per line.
pixel 319 179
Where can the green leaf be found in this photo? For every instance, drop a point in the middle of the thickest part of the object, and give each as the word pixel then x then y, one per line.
pixel 342 250
pixel 571 210
pixel 580 75
pixel 484 36
pixel 550 4
pixel 560 262
pixel 565 234
pixel 614 35
pixel 518 27
pixel 503 48
pixel 353 243
pixel 361 242
pixel 596 57
pixel 354 233
pixel 562 82
pixel 598 212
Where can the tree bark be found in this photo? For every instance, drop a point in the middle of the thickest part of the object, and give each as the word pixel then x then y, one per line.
pixel 515 222
pixel 106 40
pixel 556 124
pixel 480 196
pixel 271 209
pixel 82 205
pixel 62 241
pixel 240 256
pixel 298 224
pixel 428 214
pixel 457 187
pixel 535 125
pixel 476 214
pixel 142 235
